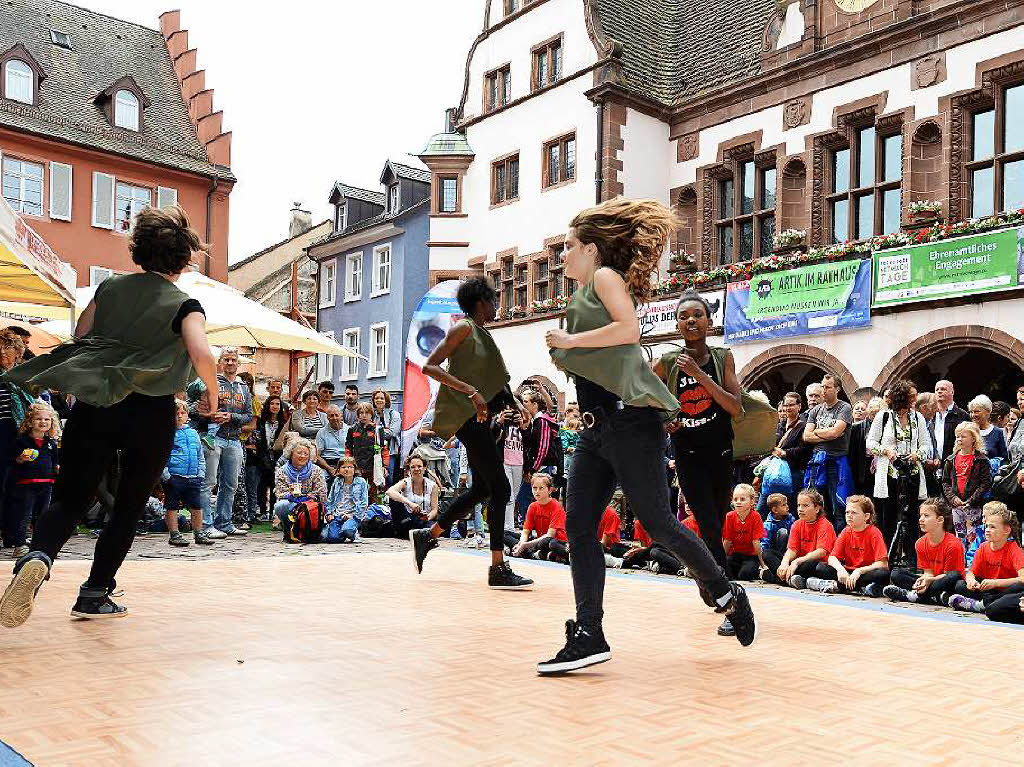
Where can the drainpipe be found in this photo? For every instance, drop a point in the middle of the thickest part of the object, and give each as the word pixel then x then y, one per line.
pixel 214 180
pixel 598 176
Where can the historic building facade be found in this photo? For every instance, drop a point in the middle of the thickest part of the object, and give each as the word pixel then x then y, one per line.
pixel 100 117
pixel 826 118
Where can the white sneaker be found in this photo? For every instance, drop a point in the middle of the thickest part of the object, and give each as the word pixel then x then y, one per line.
pixel 480 542
pixel 213 532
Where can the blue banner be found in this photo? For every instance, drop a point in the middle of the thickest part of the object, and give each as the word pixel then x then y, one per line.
pixel 741 329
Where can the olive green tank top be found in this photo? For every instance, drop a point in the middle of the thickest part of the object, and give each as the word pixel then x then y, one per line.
pixel 478 362
pixel 131 347
pixel 622 370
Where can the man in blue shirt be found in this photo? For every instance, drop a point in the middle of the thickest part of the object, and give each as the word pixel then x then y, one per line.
pixel 330 443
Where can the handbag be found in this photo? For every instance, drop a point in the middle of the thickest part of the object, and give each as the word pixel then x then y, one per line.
pixel 379 478
pixel 1004 484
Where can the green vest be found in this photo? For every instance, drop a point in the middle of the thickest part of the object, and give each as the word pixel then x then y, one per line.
pixel 478 362
pixel 131 347
pixel 622 370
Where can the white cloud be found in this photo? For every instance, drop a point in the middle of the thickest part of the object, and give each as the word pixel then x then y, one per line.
pixel 319 91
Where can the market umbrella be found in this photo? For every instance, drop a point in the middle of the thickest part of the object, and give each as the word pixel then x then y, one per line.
pixel 234 320
pixel 33 280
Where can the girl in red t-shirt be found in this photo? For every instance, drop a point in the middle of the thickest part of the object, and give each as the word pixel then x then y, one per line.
pixel 651 555
pixel 940 555
pixel 997 569
pixel 859 560
pixel 545 518
pixel 810 541
pixel 741 536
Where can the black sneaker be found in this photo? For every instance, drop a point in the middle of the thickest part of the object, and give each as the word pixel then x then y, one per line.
pixel 502 577
pixel 202 539
pixel 96 603
pixel 726 629
pixel 740 616
pixel 584 646
pixel 177 539
pixel 422 542
pixel 29 573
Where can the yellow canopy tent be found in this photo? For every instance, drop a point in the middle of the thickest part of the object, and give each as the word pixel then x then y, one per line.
pixel 33 281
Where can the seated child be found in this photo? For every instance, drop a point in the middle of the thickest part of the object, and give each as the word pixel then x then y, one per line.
pixel 653 556
pixel 545 518
pixel 859 559
pixel 609 533
pixel 940 555
pixel 346 504
pixel 998 567
pixel 810 541
pixel 183 479
pixel 777 524
pixel 741 536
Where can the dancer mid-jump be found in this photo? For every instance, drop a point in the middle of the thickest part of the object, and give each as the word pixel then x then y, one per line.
pixel 612 251
pixel 136 344
pixel 474 387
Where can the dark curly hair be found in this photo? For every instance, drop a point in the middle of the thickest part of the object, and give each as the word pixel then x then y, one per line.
pixel 473 291
pixel 162 240
pixel 899 395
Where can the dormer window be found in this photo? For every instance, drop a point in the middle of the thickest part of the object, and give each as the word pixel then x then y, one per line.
pixel 340 217
pixel 393 198
pixel 123 103
pixel 20 75
pixel 126 110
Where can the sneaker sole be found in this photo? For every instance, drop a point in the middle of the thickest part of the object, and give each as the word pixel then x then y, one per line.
pixel 416 566
pixel 16 604
pixel 551 669
pixel 525 587
pixel 95 616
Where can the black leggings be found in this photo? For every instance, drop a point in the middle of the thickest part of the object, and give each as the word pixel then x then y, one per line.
pixel 773 561
pixel 705 479
pixel 906 579
pixel 142 428
pixel 487 463
pixel 743 567
pixel 827 572
pixel 626 447
pixel 1007 609
pixel 667 561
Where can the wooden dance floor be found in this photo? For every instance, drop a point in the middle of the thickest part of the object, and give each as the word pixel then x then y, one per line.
pixel 351 659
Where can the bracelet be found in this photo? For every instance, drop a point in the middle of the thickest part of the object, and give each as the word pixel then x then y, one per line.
pixel 472 393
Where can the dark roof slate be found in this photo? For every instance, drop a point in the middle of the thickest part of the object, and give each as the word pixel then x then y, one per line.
pixel 104 49
pixel 407 171
pixel 357 193
pixel 368 223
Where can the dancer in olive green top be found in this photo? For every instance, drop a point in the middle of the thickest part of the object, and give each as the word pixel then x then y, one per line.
pixel 139 341
pixel 473 388
pixel 612 251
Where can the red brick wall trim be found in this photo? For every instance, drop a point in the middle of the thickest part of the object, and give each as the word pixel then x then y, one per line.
pixel 944 339
pixel 788 354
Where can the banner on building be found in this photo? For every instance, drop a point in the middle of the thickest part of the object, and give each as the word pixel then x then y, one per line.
pixel 819 298
pixel 659 317
pixel 956 267
pixel 435 314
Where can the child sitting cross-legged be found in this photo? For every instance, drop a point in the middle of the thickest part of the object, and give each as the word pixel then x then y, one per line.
pixel 997 570
pixel 651 555
pixel 609 531
pixel 859 559
pixel 346 504
pixel 545 518
pixel 742 534
pixel 810 542
pixel 777 524
pixel 940 555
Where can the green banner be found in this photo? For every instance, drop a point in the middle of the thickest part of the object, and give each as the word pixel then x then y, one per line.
pixel 813 288
pixel 956 267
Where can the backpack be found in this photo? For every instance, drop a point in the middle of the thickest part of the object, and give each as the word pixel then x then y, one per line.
pixel 303 523
pixel 754 428
pixel 377 522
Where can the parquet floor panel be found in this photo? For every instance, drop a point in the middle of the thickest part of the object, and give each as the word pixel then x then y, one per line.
pixel 343 660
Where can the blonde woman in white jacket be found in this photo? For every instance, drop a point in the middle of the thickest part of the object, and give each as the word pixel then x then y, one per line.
pixel 899 432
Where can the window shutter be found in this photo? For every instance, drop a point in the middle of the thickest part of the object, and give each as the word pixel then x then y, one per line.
pixel 103 200
pixel 60 191
pixel 166 196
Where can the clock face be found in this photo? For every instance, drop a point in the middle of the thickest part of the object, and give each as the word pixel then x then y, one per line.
pixel 854 6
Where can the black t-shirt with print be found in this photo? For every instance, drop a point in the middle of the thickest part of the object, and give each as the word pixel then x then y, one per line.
pixel 704 424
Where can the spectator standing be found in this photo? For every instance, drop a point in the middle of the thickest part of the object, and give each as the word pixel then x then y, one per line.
pixel 275 388
pixel 324 393
pixel 966 479
pixel 390 422
pixel 1015 448
pixel 980 409
pixel 814 396
pixel 14 404
pixel 542 447
pixel 900 443
pixel 307 420
pixel 858 456
pixel 828 433
pixel 183 480
pixel 570 436
pixel 363 442
pixel 947 416
pixel 350 414
pixel 860 411
pixel 789 441
pixel 925 405
pixel 30 482
pixel 510 439
pixel 269 428
pixel 330 444
pixel 224 457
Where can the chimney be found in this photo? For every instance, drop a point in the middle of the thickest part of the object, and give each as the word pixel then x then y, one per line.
pixel 301 221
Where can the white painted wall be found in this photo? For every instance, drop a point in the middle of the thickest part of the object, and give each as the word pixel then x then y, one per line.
pixel 644 170
pixel 525 354
pixel 960 68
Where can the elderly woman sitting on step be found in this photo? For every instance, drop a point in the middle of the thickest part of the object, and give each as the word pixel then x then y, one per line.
pixel 299 479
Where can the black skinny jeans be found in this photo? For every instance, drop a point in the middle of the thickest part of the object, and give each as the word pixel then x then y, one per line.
pixel 906 579
pixel 743 567
pixel 1007 609
pixel 142 428
pixel 828 573
pixel 626 447
pixel 487 462
pixel 705 479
